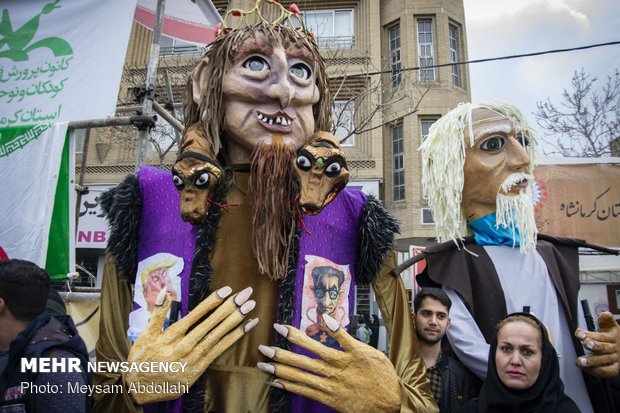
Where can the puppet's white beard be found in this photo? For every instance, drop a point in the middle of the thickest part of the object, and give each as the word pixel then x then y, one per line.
pixel 517 212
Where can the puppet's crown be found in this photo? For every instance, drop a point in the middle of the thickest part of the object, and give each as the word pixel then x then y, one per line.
pixel 288 17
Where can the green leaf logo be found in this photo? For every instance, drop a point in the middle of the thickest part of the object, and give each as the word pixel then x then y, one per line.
pixel 16 45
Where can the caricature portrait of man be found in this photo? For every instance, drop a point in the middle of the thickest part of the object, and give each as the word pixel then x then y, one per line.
pixel 327 293
pixel 155 280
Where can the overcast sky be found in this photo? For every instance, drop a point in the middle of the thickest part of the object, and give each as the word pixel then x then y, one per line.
pixel 507 27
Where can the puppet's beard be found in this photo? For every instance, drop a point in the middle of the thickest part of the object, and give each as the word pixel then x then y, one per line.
pixel 517 212
pixel 272 191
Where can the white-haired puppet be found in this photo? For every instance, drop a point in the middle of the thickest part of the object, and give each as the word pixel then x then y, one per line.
pixel 477 166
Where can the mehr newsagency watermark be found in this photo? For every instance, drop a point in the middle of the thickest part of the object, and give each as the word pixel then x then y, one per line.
pixel 73 365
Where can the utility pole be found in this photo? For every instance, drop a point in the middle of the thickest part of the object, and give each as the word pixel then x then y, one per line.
pixel 149 88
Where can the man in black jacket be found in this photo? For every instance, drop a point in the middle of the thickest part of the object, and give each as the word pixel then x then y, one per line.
pixel 27 331
pixel 451 383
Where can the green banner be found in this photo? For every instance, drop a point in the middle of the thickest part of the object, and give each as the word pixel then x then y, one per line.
pixel 57 262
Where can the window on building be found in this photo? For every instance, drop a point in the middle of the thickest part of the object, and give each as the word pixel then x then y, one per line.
pixel 427 216
pixel 425 125
pixel 425 49
pixel 344 122
pixel 454 54
pixel 395 57
pixel 169 46
pixel 332 28
pixel 398 163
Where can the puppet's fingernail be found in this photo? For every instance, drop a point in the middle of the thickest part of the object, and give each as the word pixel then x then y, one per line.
pixel 266 367
pixel 589 344
pixel 243 296
pixel 250 325
pixel 224 292
pixel 281 329
pixel 161 297
pixel 276 385
pixel 247 307
pixel 331 323
pixel 583 361
pixel 267 351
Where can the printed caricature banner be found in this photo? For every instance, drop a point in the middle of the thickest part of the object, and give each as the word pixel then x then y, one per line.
pixel 579 201
pixel 60 61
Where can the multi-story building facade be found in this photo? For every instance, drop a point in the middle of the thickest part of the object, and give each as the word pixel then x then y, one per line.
pixel 384 105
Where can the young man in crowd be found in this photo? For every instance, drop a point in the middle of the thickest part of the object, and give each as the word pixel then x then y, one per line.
pixel 451 383
pixel 28 331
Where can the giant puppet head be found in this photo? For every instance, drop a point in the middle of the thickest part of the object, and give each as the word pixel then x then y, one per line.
pixel 321 170
pixel 477 161
pixel 263 82
pixel 258 92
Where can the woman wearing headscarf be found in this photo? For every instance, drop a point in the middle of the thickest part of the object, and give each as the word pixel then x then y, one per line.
pixel 524 373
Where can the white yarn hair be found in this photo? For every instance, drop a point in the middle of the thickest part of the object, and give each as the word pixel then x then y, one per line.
pixel 517 212
pixel 443 159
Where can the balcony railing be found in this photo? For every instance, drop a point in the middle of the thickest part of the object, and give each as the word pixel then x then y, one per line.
pixel 336 42
pixel 180 50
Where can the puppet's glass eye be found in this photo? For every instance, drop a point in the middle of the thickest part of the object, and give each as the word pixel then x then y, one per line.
pixel 333 169
pixel 256 64
pixel 304 163
pixel 202 180
pixel 494 143
pixel 300 70
pixel 178 182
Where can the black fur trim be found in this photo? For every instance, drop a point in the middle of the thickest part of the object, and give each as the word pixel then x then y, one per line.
pixel 202 271
pixel 280 401
pixel 376 237
pixel 200 286
pixel 122 206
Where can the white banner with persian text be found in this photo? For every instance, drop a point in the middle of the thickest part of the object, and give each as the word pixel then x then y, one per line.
pixel 61 60
pixel 28 189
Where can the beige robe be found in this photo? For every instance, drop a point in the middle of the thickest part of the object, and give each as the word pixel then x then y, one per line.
pixel 234 383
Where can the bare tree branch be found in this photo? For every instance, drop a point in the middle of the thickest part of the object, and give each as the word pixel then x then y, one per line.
pixel 366 103
pixel 586 122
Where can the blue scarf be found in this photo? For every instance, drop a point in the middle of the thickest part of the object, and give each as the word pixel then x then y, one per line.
pixel 486 232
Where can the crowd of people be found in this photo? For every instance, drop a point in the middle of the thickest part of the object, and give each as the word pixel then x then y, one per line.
pixel 523 373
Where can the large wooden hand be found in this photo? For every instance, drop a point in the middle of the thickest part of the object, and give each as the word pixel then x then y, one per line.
pixel 198 348
pixel 358 379
pixel 604 362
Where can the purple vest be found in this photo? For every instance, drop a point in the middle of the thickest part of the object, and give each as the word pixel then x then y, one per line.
pixel 325 277
pixel 163 231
